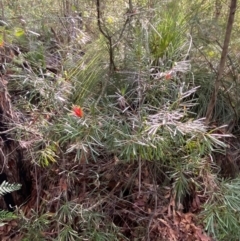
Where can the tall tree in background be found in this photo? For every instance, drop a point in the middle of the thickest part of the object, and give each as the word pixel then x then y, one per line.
pixel 213 99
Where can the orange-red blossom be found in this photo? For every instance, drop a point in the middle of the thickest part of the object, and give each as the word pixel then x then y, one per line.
pixel 77 111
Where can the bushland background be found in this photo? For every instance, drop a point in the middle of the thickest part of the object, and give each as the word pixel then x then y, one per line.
pixel 155 154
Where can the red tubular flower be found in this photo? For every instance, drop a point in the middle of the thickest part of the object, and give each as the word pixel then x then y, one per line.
pixel 77 111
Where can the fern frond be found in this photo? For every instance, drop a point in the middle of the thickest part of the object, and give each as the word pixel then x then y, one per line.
pixel 6 187
pixel 6 215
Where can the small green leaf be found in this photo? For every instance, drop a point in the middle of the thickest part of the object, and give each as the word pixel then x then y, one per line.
pixel 18 32
pixel 74 8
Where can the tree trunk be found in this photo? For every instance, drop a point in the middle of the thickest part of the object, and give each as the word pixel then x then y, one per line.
pixel 213 98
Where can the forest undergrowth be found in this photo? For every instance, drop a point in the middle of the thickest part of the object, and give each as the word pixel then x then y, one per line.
pixel 102 121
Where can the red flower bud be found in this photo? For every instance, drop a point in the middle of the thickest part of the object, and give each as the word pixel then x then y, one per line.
pixel 77 111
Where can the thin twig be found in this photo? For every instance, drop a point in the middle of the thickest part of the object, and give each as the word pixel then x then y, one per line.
pixel 139 176
pixel 155 207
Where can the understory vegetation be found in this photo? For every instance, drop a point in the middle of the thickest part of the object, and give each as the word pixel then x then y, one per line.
pixel 109 129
